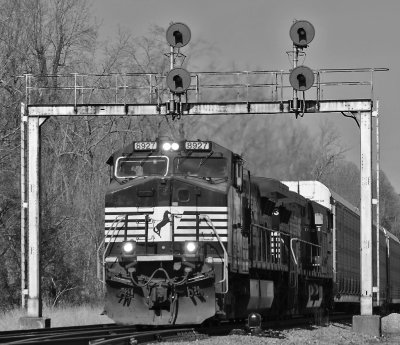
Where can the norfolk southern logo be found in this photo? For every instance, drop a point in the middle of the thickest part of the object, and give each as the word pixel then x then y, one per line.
pixel 160 225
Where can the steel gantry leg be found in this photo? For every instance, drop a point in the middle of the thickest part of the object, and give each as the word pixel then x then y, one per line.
pixel 24 207
pixel 34 317
pixel 34 298
pixel 366 323
pixel 366 214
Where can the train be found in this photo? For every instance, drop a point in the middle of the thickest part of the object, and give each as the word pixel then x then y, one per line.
pixel 191 236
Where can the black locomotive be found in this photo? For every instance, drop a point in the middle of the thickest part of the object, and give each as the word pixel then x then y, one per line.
pixel 191 235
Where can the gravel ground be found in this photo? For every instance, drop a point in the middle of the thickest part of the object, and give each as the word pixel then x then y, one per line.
pixel 335 333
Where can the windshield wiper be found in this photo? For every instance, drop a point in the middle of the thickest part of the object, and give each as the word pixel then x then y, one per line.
pixel 217 180
pixel 146 158
pixel 204 159
pixel 205 178
pixel 209 179
pixel 181 159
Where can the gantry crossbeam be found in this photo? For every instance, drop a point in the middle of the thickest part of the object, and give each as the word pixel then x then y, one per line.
pixel 231 108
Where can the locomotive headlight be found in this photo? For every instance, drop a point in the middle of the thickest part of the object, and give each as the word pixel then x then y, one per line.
pixel 191 247
pixel 170 146
pixel 166 146
pixel 129 248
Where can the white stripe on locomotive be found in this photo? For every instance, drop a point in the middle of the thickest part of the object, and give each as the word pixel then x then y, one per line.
pixel 133 218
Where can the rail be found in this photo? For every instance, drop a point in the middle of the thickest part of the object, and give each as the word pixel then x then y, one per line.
pixel 101 334
pixel 151 88
pixel 225 270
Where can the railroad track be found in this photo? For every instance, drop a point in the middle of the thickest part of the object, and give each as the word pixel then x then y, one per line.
pixel 96 334
pixel 116 334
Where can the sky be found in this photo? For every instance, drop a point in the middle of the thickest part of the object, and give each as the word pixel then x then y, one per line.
pixel 254 35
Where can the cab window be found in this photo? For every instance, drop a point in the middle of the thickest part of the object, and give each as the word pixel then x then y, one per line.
pixel 131 167
pixel 201 166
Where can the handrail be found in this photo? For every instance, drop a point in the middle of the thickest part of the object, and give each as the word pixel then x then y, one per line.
pixel 225 278
pixel 86 88
pixel 270 230
pixel 116 221
pixel 300 240
pixel 129 74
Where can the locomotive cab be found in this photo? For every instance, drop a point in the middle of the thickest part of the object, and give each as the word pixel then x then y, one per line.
pixel 202 159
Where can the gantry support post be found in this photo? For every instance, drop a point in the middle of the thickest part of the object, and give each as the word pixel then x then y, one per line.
pixel 366 323
pixel 34 317
pixel 34 298
pixel 376 202
pixel 366 213
pixel 24 206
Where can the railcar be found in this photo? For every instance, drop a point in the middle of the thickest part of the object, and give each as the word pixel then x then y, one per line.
pixel 346 251
pixel 191 235
pixel 393 272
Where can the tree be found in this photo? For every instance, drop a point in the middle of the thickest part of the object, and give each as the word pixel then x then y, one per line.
pixel 328 151
pixel 37 37
pixel 344 179
pixel 389 206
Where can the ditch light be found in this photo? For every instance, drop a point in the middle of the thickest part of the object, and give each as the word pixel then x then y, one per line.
pixel 129 248
pixel 191 247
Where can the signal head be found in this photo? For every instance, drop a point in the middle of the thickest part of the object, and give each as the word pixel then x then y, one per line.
pixel 178 80
pixel 178 35
pixel 302 33
pixel 254 321
pixel 301 78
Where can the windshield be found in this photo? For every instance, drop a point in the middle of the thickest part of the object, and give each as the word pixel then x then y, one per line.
pixel 201 166
pixel 141 166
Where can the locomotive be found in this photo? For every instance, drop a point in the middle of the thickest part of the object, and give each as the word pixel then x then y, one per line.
pixel 192 236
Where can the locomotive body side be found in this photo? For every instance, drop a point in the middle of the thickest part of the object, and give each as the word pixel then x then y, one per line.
pixel 289 247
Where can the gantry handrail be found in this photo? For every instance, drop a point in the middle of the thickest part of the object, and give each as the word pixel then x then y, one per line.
pixel 151 87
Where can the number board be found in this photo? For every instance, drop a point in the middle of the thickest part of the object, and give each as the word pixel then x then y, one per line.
pixel 145 145
pixel 198 145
